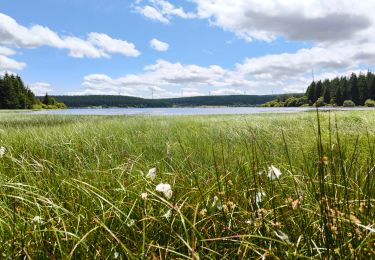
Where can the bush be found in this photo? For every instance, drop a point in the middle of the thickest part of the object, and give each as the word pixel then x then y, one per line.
pixel 348 103
pixel 320 102
pixel 370 103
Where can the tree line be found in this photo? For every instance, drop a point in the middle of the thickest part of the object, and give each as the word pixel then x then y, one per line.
pixel 15 95
pixel 127 101
pixel 355 90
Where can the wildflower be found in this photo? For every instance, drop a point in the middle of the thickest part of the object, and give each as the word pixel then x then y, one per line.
pixel 203 212
pixel 2 151
pixel 116 255
pixel 215 201
pixel 166 189
pixel 144 195
pixel 231 205
pixel 259 196
pixel 273 173
pixel 37 220
pixel 168 214
pixel 130 222
pixel 296 203
pixel 282 236
pixel 362 207
pixel 324 160
pixel 354 219
pixel 151 174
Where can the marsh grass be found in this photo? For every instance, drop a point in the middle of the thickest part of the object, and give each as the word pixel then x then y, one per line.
pixel 70 186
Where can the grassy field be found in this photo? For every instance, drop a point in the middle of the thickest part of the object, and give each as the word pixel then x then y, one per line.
pixel 78 186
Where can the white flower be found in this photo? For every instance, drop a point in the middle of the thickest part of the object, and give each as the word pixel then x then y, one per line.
pixel 215 201
pixel 2 151
pixel 273 173
pixel 259 196
pixel 282 236
pixel 130 222
pixel 168 214
pixel 37 220
pixel 151 174
pixel 144 195
pixel 166 189
pixel 117 254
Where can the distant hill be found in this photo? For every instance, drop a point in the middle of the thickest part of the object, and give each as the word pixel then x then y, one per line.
pixel 127 101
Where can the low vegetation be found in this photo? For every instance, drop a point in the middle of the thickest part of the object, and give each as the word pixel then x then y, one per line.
pixel 210 187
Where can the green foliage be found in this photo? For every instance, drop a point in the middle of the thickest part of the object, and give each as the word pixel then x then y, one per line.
pixel 370 103
pixel 125 101
pixel 348 103
pixel 320 102
pixel 289 102
pixel 14 94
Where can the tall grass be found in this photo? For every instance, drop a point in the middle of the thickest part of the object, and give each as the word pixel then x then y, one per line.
pixel 70 186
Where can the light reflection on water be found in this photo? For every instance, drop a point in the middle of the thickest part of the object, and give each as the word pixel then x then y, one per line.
pixel 186 111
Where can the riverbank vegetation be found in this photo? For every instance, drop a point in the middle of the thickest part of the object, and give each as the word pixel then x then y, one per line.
pixel 191 187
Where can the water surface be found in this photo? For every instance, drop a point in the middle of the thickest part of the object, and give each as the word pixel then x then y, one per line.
pixel 185 111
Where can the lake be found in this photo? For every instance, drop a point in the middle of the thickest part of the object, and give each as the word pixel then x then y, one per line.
pixel 185 111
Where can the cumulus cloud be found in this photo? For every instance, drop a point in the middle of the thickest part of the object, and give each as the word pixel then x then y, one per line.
pixel 9 64
pixel 161 10
pixel 168 79
pixel 97 45
pixel 317 21
pixel 159 45
pixel 41 88
pixel 110 45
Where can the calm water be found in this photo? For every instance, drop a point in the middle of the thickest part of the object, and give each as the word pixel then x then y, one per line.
pixel 183 111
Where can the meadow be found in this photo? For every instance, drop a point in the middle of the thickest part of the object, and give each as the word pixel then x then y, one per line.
pixel 265 186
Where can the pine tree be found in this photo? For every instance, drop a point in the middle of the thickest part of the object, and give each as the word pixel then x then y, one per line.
pixel 354 91
pixel 310 92
pixel 318 90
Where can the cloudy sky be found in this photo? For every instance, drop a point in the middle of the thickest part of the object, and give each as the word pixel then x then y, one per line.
pixel 183 48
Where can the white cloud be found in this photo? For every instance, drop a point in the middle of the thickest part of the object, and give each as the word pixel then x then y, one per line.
pixel 6 51
pixel 159 45
pixel 151 13
pixel 317 21
pixel 9 64
pixel 227 91
pixel 110 45
pixel 161 10
pixel 168 79
pixel 41 88
pixel 96 46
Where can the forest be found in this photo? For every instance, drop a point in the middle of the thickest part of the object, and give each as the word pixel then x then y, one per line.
pixel 14 94
pixel 355 90
pixel 127 101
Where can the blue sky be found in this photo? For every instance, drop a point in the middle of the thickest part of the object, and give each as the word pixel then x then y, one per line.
pixel 199 46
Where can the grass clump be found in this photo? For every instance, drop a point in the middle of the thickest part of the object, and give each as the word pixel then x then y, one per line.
pixel 271 185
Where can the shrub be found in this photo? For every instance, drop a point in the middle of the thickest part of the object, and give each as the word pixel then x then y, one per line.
pixel 348 103
pixel 370 103
pixel 320 102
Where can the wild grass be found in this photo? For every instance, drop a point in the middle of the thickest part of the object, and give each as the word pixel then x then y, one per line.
pixel 76 186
